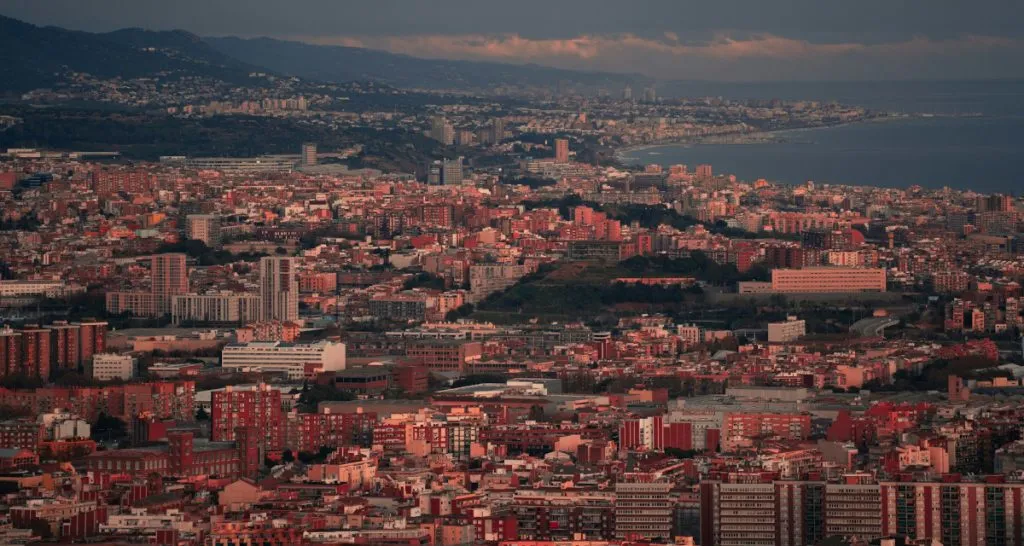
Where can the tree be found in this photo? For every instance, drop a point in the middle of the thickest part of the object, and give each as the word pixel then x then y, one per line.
pixel 108 428
pixel 758 272
pixel 41 528
pixel 537 413
pixel 312 395
pixel 579 383
pixel 425 280
pixel 20 381
pixel 681 453
pixel 671 383
pixel 620 385
pixel 201 415
pixel 72 378
pixel 462 311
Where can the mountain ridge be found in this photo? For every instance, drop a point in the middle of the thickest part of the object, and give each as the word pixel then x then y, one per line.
pixel 33 57
pixel 346 63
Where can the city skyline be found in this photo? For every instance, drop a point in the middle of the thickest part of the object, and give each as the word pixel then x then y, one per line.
pixel 731 41
pixel 257 292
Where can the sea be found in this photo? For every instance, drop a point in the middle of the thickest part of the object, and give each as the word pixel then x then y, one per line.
pixel 961 134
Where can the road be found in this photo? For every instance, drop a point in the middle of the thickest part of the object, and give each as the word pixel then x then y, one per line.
pixel 873 326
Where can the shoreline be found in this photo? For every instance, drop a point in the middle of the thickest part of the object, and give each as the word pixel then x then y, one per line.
pixel 759 137
pixel 787 163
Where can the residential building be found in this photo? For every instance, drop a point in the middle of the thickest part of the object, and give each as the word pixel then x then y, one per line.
pixel 643 510
pixel 309 158
pixel 170 277
pixel 486 279
pixel 258 409
pixel 203 227
pixel 561 150
pixel 216 308
pixel 401 307
pixel 279 288
pixel 791 329
pixel 451 172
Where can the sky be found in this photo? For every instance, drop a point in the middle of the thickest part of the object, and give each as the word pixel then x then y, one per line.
pixel 723 40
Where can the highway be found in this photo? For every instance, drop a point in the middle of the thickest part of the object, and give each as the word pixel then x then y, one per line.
pixel 873 326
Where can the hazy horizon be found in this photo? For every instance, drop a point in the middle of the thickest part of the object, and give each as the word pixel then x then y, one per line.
pixel 730 41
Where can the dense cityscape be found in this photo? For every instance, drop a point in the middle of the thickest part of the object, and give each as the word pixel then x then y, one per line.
pixel 239 308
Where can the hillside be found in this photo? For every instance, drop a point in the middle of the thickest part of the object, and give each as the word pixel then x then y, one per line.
pixel 182 45
pixel 33 56
pixel 339 63
pixel 575 290
pixel 145 136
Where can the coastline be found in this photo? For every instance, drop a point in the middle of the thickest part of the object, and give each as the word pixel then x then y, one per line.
pixel 931 151
pixel 757 137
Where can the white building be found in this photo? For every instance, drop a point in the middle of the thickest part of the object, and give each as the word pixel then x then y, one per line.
pixel 63 425
pixel 138 521
pixel 783 332
pixel 296 360
pixel 239 165
pixel 107 366
pixel 236 308
pixel 49 289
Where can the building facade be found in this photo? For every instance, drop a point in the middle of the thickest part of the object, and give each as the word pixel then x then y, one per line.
pixel 229 308
pixel 828 280
pixel 279 288
pixel 107 366
pixel 258 409
pixel 296 360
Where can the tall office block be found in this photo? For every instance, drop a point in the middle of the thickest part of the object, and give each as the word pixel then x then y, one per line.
pixel 92 338
pixel 451 172
pixel 442 131
pixel 170 277
pixel 35 352
pixel 10 351
pixel 65 346
pixel 561 150
pixel 497 130
pixel 434 173
pixel 279 288
pixel 309 154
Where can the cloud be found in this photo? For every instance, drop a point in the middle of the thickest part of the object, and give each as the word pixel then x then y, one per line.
pixel 804 39
pixel 722 46
pixel 723 55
